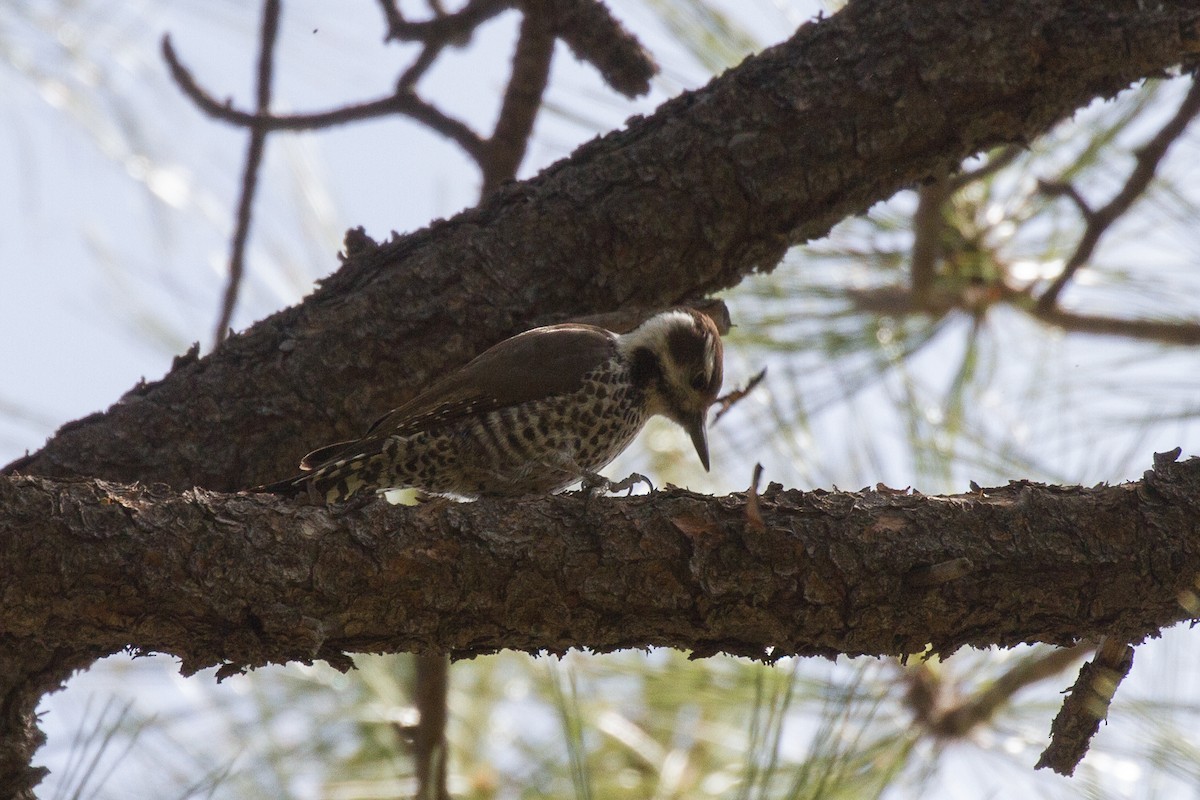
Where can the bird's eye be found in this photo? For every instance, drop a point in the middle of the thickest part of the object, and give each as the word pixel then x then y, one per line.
pixel 699 381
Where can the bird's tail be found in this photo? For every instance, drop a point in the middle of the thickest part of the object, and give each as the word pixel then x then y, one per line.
pixel 333 482
pixel 295 486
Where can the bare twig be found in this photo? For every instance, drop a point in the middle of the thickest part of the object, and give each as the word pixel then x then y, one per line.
pixel 414 72
pixel 1163 331
pixel 727 402
pixel 925 695
pixel 1086 707
pixel 405 103
pixel 587 27
pixel 254 154
pixel 1067 190
pixel 1003 157
pixel 522 99
pixel 441 27
pixel 1099 220
pixel 899 301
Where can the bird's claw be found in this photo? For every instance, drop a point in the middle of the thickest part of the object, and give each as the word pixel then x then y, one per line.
pixel 632 480
pixel 595 484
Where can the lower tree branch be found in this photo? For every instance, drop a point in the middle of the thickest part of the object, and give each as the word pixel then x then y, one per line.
pixel 247 580
pixel 241 581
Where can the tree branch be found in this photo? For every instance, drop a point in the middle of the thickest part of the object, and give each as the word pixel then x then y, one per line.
pixel 1098 221
pixel 90 566
pixel 899 301
pixel 404 101
pixel 522 99
pixel 715 185
pixel 442 27
pixel 254 155
pixel 1086 707
pixel 595 36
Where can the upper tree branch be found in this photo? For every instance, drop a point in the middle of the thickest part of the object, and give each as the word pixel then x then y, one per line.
pixel 716 184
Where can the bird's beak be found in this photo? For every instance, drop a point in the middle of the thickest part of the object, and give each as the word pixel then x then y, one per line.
pixel 696 429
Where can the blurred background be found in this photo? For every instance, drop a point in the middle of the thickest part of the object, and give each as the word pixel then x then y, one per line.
pixel 909 347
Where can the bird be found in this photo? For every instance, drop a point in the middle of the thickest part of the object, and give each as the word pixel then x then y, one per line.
pixel 534 414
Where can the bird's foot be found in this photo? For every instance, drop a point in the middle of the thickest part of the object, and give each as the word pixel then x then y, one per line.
pixel 630 481
pixel 595 484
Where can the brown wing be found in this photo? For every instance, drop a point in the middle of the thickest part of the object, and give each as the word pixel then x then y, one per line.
pixel 537 363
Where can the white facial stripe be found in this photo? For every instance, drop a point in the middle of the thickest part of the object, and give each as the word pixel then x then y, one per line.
pixel 653 330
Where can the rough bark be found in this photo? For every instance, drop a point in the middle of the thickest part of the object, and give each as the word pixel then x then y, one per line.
pixel 713 186
pixel 91 567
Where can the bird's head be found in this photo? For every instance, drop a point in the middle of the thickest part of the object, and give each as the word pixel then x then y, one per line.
pixel 676 358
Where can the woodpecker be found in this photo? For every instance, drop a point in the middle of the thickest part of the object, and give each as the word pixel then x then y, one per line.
pixel 533 414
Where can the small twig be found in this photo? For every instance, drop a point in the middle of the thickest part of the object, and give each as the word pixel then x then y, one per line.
pixel 1098 223
pixel 959 718
pixel 1059 189
pixel 441 27
pixel 754 519
pixel 522 99
pixel 405 103
pixel 1163 331
pixel 899 301
pixel 737 395
pixel 1086 707
pixel 417 69
pixel 254 155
